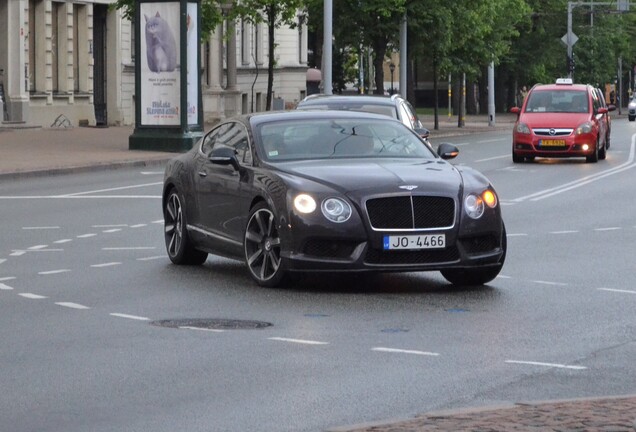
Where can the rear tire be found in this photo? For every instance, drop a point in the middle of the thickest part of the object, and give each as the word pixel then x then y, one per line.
pixel 178 244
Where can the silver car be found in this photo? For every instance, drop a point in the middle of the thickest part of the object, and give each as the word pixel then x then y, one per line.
pixel 631 109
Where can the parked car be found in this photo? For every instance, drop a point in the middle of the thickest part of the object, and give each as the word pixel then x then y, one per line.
pixel 631 109
pixel 394 106
pixel 560 120
pixel 330 191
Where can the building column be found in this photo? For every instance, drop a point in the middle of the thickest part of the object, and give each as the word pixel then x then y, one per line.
pixel 231 55
pixel 14 76
pixel 215 63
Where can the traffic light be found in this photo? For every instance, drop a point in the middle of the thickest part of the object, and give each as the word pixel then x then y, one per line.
pixel 571 63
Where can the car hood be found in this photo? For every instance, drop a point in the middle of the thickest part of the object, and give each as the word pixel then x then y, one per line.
pixel 378 177
pixel 554 120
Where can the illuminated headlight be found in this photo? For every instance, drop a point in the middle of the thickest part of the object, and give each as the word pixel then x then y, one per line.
pixel 523 128
pixel 490 198
pixel 585 128
pixel 304 203
pixel 336 210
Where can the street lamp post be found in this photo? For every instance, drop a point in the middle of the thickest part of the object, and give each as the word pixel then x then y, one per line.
pixel 392 69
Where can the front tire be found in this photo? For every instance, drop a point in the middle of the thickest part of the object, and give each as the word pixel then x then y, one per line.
pixel 631 118
pixel 516 158
pixel 262 248
pixel 178 244
pixel 593 158
pixel 478 276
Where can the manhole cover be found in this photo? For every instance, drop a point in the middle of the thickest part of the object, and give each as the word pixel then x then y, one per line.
pixel 212 324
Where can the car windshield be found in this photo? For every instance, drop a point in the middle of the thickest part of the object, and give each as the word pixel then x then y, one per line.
pixel 387 110
pixel 568 101
pixel 306 139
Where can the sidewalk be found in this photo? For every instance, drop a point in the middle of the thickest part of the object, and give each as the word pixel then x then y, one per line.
pixel 44 151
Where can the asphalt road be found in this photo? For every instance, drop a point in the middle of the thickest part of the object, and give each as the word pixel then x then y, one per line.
pixel 84 276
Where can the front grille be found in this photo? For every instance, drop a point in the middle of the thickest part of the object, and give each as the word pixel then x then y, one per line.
pixel 331 248
pixel 411 212
pixel 403 257
pixel 552 132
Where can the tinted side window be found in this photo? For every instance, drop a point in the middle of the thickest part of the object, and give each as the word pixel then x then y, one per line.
pixel 209 141
pixel 235 137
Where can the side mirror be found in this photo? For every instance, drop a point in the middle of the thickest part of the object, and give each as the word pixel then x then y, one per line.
pixel 515 110
pixel 611 108
pixel 604 110
pixel 224 156
pixel 423 132
pixel 447 151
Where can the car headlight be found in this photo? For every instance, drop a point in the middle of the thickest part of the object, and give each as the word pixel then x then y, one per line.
pixel 304 203
pixel 585 128
pixel 336 210
pixel 523 128
pixel 475 204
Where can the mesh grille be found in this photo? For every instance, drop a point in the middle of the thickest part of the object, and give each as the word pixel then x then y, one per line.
pixel 376 256
pixel 328 248
pixel 480 244
pixel 406 212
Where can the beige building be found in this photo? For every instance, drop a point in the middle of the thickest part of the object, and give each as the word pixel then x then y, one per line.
pixel 73 62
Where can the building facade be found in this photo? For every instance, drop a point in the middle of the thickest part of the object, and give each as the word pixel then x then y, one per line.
pixel 73 62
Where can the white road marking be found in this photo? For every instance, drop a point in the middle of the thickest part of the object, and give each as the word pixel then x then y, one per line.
pixel 554 365
pixel 617 290
pixel 109 264
pixel 41 228
pixel 4 287
pixel 138 225
pixel 7 278
pixel 111 189
pixel 112 230
pixel 517 235
pixel 2 260
pixel 201 329
pixel 607 229
pixel 32 296
pixel 110 226
pixel 564 232
pixel 86 235
pixel 17 253
pixel 128 248
pixel 5 197
pixel 151 172
pixel 50 272
pixel 133 317
pixel 504 277
pixel 72 305
pixel 549 283
pixel 63 241
pixel 158 221
pixel 546 193
pixel 37 247
pixel 151 258
pixel 402 351
pixel 298 341
pixel 493 158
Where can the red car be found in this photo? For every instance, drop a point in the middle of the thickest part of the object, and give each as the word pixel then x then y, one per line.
pixel 560 120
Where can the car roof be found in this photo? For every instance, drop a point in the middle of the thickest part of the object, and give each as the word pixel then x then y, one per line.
pixel 368 99
pixel 573 87
pixel 273 116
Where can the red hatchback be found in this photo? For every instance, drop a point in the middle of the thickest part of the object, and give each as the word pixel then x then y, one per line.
pixel 560 120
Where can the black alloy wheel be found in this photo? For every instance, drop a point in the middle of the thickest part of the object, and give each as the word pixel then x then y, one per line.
pixel 178 244
pixel 262 248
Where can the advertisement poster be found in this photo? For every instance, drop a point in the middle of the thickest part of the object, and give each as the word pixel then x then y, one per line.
pixel 193 67
pixel 159 57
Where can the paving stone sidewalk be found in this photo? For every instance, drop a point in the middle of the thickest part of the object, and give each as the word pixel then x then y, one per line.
pixel 610 414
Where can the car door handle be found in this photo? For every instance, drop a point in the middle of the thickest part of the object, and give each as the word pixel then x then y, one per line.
pixel 203 174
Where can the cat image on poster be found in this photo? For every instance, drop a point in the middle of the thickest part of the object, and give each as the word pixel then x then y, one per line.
pixel 161 48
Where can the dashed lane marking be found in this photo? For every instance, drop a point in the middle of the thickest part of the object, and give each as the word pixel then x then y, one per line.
pixel 298 341
pixel 129 248
pixel 62 241
pixel 112 230
pixel 607 229
pixel 542 282
pixel 17 253
pixel 86 235
pixel 109 264
pixel 41 228
pixel 4 287
pixel 110 226
pixel 32 296
pixel 493 158
pixel 201 329
pixel 564 232
pixel 52 272
pixel 37 247
pixel 138 225
pixel 2 260
pixel 403 351
pixel 72 305
pixel 552 365
pixel 151 258
pixel 517 235
pixel 132 317
pixel 617 290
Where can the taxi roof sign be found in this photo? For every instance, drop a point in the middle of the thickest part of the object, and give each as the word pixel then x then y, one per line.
pixel 564 81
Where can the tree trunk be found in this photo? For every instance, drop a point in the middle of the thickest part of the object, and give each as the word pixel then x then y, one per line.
pixel 379 51
pixel 435 94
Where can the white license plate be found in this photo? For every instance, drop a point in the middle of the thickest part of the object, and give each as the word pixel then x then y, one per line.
pixel 427 241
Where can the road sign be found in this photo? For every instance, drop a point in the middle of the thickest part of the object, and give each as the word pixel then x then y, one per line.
pixel 573 38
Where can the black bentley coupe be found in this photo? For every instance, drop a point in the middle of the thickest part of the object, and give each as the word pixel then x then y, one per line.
pixel 330 191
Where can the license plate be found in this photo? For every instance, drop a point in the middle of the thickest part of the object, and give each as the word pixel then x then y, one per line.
pixel 552 143
pixel 427 241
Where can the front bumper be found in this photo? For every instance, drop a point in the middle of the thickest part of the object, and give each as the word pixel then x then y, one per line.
pixel 572 146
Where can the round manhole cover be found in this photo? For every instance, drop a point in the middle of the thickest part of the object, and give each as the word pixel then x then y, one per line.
pixel 211 324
